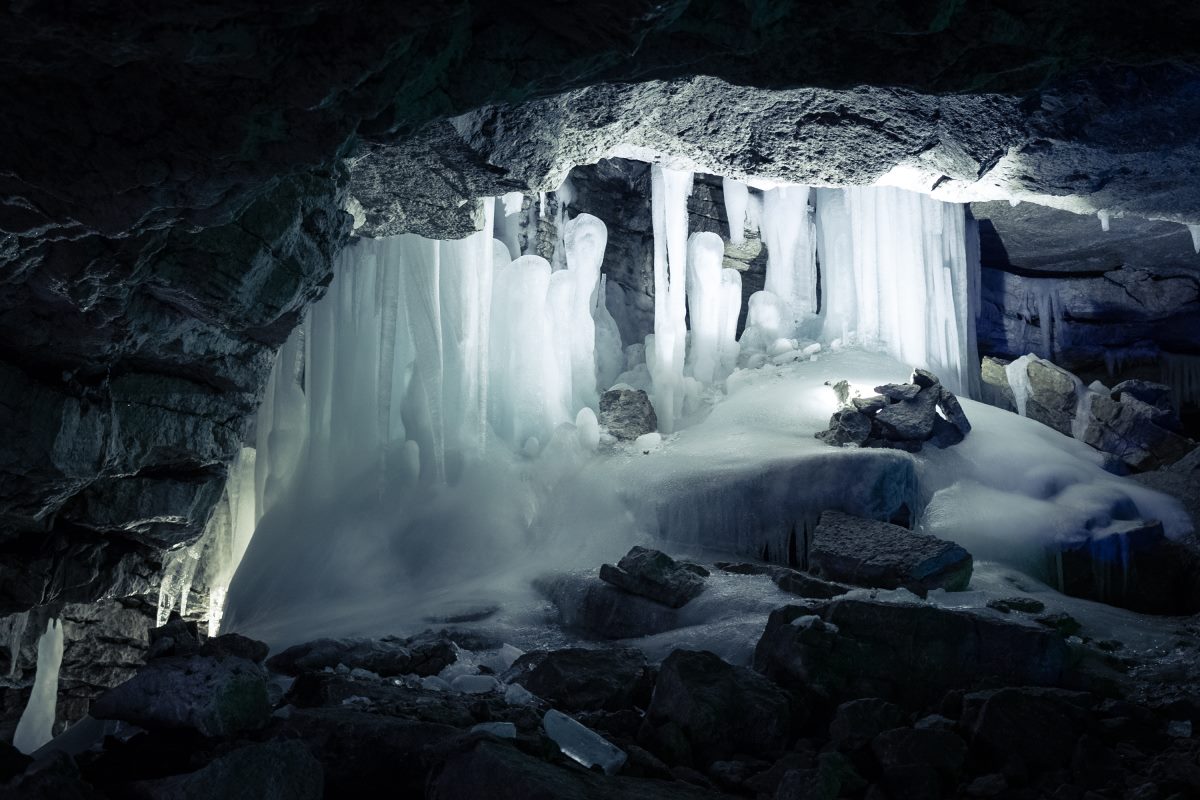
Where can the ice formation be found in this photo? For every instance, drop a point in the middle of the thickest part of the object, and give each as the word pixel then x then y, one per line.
pixel 737 198
pixel 581 743
pixel 36 725
pixel 430 436
pixel 669 193
pixel 1194 230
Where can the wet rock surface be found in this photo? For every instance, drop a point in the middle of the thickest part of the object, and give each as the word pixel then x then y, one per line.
pixel 866 552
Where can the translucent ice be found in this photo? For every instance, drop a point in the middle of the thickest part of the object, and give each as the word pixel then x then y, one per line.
pixel 706 252
pixel 737 197
pixel 36 725
pixel 791 254
pixel 669 192
pixel 582 744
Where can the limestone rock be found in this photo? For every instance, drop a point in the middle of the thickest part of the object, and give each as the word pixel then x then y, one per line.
pixel 881 555
pixel 847 426
pixel 854 648
pixel 1127 428
pixel 627 413
pixel 213 696
pixel 721 709
pixel 655 575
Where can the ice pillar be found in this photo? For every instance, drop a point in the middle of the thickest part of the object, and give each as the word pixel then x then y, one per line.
pixel 669 192
pixel 36 726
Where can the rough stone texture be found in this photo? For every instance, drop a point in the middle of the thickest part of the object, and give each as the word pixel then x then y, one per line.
pixel 654 575
pixel 804 585
pixel 627 413
pixel 857 648
pixel 857 722
pixel 1127 429
pixel 212 696
pixel 847 426
pixel 268 771
pixel 720 708
pixel 387 656
pixel 578 679
pixel 1052 395
pixel 881 555
pixel 903 416
pixel 1038 726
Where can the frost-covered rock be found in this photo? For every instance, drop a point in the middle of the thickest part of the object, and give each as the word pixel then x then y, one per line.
pixel 655 575
pixel 722 709
pixel 857 648
pixel 581 679
pixel 878 554
pixel 213 696
pixel 627 413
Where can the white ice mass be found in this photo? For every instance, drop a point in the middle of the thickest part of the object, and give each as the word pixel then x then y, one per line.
pixel 36 725
pixel 430 435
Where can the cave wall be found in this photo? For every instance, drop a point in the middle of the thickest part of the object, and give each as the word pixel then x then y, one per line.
pixel 173 179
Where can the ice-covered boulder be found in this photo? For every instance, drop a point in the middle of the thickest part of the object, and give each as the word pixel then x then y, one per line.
pixel 855 647
pixel 582 679
pixel 214 696
pixel 655 575
pixel 627 413
pixel 880 555
pixel 722 709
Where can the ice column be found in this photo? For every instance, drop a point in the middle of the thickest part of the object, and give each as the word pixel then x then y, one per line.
pixel 706 252
pixel 584 238
pixel 36 725
pixel 791 256
pixel 669 192
pixel 899 272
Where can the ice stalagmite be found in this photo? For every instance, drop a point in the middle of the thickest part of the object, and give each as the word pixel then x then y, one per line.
pixel 669 192
pixel 791 256
pixel 584 239
pixel 706 251
pixel 36 725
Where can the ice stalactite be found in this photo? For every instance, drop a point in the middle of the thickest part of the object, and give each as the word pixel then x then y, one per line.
pixel 669 193
pixel 1194 230
pixel 36 726
pixel 706 251
pixel 913 295
pixel 737 198
pixel 787 230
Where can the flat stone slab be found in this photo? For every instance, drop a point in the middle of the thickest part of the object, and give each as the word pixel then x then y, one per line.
pixel 880 555
pixel 654 575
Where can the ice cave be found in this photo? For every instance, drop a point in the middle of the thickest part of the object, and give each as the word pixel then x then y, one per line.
pixel 633 400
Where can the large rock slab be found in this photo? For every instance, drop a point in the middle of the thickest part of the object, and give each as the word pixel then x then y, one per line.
pixel 654 575
pixel 881 555
pixel 213 696
pixel 580 679
pixel 720 708
pixel 864 648
pixel 1129 429
pixel 584 602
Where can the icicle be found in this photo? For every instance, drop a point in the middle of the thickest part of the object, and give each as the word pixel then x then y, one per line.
pixel 791 254
pixel 706 252
pixel 1017 373
pixel 669 193
pixel 737 196
pixel 730 309
pixel 1013 202
pixel 1194 230
pixel 584 239
pixel 1104 219
pixel 36 726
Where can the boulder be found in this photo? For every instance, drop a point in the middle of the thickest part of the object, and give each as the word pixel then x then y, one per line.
pixel 942 750
pixel 234 644
pixel 584 602
pixel 1052 396
pixel 721 709
pixel 878 554
pixel 866 648
pixel 387 656
pixel 898 391
pixel 910 420
pixel 802 584
pixel 1156 395
pixel 857 722
pixel 579 679
pixel 627 413
pixel 1128 428
pixel 654 575
pixel 214 696
pixel 1038 727
pixel 282 770
pixel 847 426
